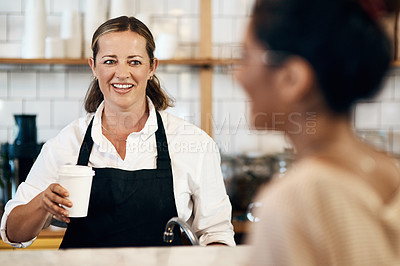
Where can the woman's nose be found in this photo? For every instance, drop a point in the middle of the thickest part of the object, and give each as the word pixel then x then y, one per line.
pixel 122 71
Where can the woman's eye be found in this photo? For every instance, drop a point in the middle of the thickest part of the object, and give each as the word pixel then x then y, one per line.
pixel 109 62
pixel 135 62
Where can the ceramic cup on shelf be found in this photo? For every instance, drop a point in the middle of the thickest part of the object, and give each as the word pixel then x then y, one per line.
pixel 54 48
pixel 95 15
pixel 33 40
pixel 71 32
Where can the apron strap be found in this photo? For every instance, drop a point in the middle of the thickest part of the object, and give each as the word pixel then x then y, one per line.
pixel 86 147
pixel 163 159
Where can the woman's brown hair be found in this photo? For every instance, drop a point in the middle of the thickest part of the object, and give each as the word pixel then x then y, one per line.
pixel 154 91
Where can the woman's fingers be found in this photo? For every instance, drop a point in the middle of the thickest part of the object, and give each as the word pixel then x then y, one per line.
pixel 58 189
pixel 59 194
pixel 53 199
pixel 55 210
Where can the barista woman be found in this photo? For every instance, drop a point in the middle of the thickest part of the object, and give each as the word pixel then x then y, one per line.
pixel 149 165
pixel 305 63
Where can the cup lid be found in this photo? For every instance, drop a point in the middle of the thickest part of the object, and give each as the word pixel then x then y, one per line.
pixel 75 170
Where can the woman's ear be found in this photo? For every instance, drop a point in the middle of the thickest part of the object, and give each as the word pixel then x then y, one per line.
pixel 296 80
pixel 153 66
pixel 92 66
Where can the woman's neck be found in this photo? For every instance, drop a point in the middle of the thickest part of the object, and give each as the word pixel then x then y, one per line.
pixel 323 133
pixel 125 121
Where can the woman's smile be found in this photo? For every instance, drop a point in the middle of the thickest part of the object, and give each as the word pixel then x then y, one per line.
pixel 122 88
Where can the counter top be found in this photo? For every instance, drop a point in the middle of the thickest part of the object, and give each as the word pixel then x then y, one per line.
pixel 184 255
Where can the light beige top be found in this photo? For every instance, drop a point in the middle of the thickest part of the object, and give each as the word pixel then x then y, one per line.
pixel 320 215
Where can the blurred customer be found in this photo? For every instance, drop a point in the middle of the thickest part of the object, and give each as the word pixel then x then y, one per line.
pixel 305 63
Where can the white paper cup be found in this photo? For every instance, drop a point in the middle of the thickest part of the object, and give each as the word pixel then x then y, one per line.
pixel 77 179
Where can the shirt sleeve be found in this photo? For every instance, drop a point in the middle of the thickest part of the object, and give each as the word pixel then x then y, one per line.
pixel 211 206
pixel 24 194
pixel 4 235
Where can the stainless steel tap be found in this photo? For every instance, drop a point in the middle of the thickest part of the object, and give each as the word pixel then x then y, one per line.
pixel 169 231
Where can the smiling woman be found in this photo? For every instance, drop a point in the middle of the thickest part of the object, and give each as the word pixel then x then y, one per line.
pixel 123 72
pixel 143 175
pixel 131 25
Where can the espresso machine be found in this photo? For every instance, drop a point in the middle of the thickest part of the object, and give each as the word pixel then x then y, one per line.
pixel 18 157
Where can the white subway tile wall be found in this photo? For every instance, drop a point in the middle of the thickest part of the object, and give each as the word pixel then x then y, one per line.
pixel 15 27
pixel 8 109
pixel 42 108
pixel 55 93
pixel 51 85
pixel 10 49
pixel 11 6
pixel 65 111
pixel 23 85
pixel 77 83
pixel 3 85
pixel 3 29
pixel 367 115
pixel 390 115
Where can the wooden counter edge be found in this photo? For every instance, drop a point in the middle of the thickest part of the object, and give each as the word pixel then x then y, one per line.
pixel 51 232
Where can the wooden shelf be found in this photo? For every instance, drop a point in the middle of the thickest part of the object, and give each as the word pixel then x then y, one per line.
pixel 202 62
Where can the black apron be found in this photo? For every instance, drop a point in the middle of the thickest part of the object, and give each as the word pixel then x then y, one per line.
pixel 126 208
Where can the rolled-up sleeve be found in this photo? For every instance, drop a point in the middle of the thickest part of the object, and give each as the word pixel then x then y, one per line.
pixel 24 194
pixel 212 208
pixel 4 235
pixel 200 192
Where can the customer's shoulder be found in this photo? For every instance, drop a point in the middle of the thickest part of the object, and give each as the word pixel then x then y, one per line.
pixel 315 180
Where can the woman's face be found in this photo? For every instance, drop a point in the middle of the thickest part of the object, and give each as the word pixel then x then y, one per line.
pixel 260 83
pixel 123 68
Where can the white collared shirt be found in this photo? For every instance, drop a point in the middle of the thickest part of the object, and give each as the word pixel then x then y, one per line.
pixel 200 194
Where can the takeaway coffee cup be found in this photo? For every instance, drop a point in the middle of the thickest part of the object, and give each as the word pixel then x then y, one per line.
pixel 77 179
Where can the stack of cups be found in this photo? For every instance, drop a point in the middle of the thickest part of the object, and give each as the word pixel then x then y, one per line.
pixel 77 179
pixel 71 33
pixel 95 15
pixel 54 47
pixel 33 41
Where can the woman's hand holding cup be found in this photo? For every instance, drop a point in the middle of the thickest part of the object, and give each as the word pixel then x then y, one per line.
pixel 53 200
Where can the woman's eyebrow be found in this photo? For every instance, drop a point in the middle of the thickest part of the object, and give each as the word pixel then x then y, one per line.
pixel 129 57
pixel 132 56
